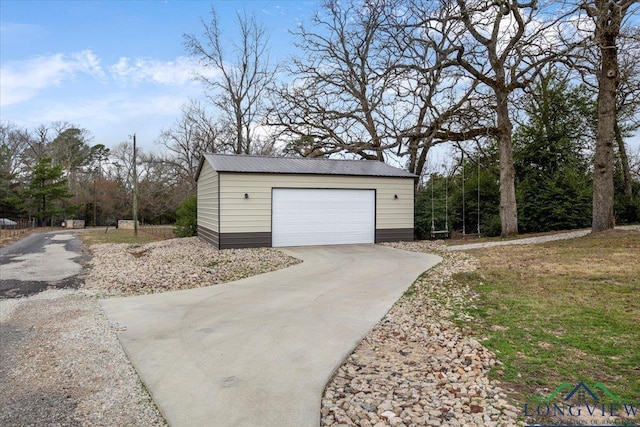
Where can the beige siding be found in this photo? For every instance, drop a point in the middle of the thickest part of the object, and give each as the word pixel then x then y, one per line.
pixel 208 198
pixel 241 215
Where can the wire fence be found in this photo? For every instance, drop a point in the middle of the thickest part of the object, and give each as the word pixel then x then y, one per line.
pixel 161 231
pixel 12 228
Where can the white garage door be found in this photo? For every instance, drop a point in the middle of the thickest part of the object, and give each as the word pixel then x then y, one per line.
pixel 302 216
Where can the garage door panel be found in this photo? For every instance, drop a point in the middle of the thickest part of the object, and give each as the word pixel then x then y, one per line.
pixel 322 217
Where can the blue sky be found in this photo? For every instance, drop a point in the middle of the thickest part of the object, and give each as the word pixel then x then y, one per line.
pixel 115 67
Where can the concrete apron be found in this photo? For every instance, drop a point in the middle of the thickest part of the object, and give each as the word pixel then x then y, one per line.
pixel 259 351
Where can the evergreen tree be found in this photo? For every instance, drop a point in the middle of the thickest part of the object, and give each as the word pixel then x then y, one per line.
pixel 46 190
pixel 449 210
pixel 552 169
pixel 477 174
pixel 432 195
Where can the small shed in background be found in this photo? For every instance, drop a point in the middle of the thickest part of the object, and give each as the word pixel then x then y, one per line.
pixel 74 223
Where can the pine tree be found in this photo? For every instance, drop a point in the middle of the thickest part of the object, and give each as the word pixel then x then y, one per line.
pixel 553 174
pixel 46 190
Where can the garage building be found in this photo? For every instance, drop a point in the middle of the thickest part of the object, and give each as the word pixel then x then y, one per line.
pixel 257 201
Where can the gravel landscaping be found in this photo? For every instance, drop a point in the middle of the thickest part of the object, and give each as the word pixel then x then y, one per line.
pixel 416 367
pixel 170 265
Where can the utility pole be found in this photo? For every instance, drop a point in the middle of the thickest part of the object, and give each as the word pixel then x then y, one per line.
pixel 135 187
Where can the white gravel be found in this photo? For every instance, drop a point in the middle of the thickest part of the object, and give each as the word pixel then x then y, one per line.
pixel 175 264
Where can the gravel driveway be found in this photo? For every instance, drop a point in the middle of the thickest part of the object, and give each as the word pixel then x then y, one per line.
pixel 62 365
pixel 61 362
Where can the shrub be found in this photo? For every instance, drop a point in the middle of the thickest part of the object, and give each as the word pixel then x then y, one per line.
pixel 186 218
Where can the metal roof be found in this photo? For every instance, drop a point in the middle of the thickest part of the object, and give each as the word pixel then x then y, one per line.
pixel 301 165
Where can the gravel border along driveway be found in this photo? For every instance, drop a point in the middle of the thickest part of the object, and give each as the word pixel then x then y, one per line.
pixel 62 365
pixel 416 367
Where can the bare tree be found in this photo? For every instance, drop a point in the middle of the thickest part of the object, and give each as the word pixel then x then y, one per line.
pixel 160 190
pixel 628 101
pixel 38 146
pixel 14 142
pixel 504 45
pixel 245 75
pixel 192 135
pixel 370 85
pixel 442 104
pixel 338 100
pixel 607 16
pixel 587 62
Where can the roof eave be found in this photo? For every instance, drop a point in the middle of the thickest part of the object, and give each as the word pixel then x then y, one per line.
pixel 318 173
pixel 202 159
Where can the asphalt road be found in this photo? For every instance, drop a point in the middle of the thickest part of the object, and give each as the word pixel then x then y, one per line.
pixel 41 261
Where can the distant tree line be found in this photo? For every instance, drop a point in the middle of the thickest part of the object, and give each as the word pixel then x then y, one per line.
pixel 535 100
pixel 53 173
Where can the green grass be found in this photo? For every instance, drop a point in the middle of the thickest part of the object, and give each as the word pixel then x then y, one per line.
pixel 113 235
pixel 562 311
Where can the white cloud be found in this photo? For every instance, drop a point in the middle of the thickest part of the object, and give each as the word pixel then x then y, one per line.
pixel 75 87
pixel 111 109
pixel 178 72
pixel 22 80
pixel 109 115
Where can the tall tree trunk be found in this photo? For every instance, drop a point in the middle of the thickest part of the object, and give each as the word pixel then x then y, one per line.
pixel 239 138
pixel 624 159
pixel 603 160
pixel 508 205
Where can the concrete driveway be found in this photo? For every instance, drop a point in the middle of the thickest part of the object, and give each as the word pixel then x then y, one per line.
pixel 259 351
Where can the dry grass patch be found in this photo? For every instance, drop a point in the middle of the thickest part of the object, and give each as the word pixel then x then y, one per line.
pixel 116 235
pixel 9 236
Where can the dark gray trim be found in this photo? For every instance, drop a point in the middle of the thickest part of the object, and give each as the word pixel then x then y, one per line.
pixel 261 239
pixel 209 236
pixel 200 164
pixel 394 235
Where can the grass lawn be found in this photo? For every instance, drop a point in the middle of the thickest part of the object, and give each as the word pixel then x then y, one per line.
pixel 562 311
pixel 113 235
